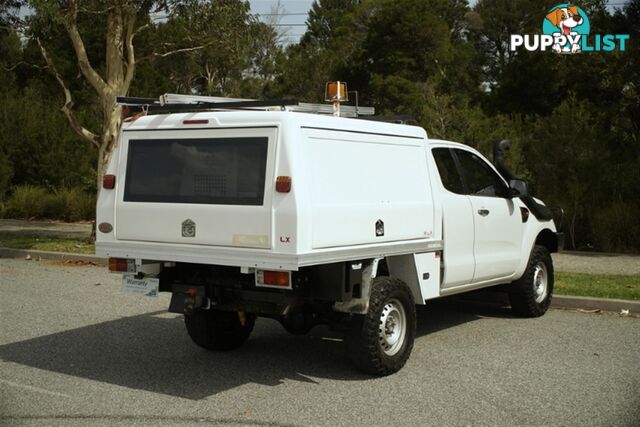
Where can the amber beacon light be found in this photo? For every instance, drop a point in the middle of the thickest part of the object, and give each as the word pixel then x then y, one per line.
pixel 336 92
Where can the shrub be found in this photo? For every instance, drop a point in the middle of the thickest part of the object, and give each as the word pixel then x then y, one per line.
pixel 28 202
pixel 6 172
pixel 616 228
pixel 76 204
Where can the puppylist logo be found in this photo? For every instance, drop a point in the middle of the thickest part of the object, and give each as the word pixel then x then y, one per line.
pixel 566 29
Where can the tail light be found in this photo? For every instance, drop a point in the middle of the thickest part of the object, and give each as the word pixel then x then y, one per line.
pixel 273 279
pixel 122 265
pixel 109 182
pixel 283 184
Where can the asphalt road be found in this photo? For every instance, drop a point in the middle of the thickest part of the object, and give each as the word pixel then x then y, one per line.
pixel 75 351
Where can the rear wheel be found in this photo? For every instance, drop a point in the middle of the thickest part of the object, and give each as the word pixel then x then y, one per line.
pixel 530 296
pixel 381 340
pixel 219 330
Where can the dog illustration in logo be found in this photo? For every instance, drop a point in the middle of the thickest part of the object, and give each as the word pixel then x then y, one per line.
pixel 566 19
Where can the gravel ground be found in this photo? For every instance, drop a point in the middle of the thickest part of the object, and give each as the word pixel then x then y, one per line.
pixel 81 230
pixel 596 262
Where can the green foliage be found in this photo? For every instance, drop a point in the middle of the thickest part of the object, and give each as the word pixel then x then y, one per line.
pixel 405 38
pixel 6 173
pixel 71 205
pixel 39 143
pixel 231 46
pixel 616 227
pixel 27 202
pixel 325 17
pixel 566 149
pixel 30 202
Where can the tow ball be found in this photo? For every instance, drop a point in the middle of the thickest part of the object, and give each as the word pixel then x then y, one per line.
pixel 187 299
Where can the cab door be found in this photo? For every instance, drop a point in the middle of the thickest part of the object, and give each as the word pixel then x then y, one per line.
pixel 497 219
pixel 458 223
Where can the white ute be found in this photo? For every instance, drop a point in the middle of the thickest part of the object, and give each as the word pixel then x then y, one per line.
pixel 250 210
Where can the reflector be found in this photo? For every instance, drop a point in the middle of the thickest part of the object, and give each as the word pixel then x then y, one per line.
pixel 276 278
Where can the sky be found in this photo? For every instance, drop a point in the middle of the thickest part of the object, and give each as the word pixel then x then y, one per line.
pixel 294 16
pixel 292 21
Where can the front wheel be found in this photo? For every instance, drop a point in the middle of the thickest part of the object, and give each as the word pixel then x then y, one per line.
pixel 219 330
pixel 382 340
pixel 530 296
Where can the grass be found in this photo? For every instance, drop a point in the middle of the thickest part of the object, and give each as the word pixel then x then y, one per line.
pixel 597 285
pixel 54 244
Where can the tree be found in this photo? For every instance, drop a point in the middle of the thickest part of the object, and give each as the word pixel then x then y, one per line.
pixel 123 21
pixel 491 24
pixel 335 31
pixel 406 38
pixel 237 52
pixel 325 17
pixel 571 163
pixel 9 54
pixel 216 36
pixel 224 30
pixel 9 11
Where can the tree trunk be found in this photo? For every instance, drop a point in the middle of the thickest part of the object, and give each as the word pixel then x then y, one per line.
pixel 112 119
pixel 119 71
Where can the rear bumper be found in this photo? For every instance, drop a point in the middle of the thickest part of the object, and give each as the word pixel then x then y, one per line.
pixel 259 258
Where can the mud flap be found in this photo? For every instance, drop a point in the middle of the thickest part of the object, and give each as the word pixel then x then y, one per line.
pixel 187 299
pixel 421 272
pixel 360 305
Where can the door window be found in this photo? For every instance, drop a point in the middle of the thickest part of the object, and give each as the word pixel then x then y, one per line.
pixel 480 178
pixel 448 171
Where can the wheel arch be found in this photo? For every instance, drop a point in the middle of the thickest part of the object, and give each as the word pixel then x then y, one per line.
pixel 548 239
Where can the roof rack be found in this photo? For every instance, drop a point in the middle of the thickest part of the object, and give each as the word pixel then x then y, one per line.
pixel 151 104
pixel 175 102
pixel 402 119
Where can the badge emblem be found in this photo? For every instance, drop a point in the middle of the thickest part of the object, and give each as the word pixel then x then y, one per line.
pixel 188 228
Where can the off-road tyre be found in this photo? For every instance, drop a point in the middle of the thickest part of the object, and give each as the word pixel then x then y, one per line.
pixel 527 297
pixel 219 330
pixel 365 345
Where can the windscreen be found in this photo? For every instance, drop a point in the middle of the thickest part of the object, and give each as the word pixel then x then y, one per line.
pixel 221 171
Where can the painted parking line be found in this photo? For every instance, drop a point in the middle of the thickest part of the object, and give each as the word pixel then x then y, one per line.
pixel 33 388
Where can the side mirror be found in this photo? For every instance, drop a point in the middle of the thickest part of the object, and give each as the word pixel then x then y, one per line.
pixel 519 187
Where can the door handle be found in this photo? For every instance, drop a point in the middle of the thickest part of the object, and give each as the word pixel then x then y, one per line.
pixel 483 212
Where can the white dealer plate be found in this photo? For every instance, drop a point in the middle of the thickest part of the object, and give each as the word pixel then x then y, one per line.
pixel 147 286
